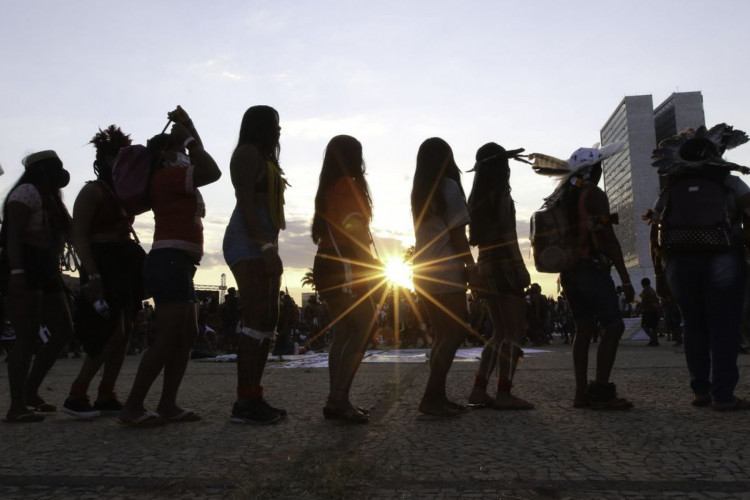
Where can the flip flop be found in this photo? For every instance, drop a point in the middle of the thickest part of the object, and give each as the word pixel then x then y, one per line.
pixel 183 416
pixel 23 418
pixel 438 415
pixel 43 408
pixel 146 419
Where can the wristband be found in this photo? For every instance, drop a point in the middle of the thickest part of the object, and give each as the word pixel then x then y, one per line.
pixel 188 142
pixel 266 246
pixel 628 284
pixel 14 272
pixel 94 276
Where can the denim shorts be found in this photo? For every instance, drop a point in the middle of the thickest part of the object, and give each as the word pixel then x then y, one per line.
pixel 237 245
pixel 169 276
pixel 591 293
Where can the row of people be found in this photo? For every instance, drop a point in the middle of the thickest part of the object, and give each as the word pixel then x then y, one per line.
pixel 345 272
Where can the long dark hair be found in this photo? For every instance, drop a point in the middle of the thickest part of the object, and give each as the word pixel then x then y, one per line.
pixel 343 158
pixel 38 174
pixel 491 181
pixel 434 162
pixel 108 142
pixel 260 128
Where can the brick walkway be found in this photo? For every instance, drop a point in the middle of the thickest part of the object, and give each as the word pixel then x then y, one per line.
pixel 662 448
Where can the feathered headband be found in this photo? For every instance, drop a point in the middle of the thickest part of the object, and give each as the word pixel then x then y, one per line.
pixel 696 149
pixel 493 151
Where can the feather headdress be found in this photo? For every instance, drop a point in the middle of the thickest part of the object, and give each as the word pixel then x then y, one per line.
pixel 697 149
pixel 578 165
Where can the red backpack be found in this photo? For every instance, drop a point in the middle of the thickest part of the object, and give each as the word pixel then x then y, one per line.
pixel 131 175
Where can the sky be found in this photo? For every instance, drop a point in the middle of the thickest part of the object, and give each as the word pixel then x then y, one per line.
pixel 542 75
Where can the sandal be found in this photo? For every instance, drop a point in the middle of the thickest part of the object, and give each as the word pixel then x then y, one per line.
pixel 351 415
pixel 183 416
pixel 43 408
pixel 738 404
pixel 145 419
pixel 23 418
pixel 701 400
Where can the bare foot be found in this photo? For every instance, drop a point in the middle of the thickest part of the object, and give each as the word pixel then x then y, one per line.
pixel 479 398
pixel 507 401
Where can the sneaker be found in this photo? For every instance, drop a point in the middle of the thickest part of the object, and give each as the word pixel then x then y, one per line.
pixel 109 407
pixel 80 408
pixel 253 411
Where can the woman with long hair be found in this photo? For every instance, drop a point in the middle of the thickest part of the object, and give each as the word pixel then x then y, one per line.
pixel 493 229
pixel 443 264
pixel 176 251
pixel 251 251
pixel 36 225
pixel 111 278
pixel 344 267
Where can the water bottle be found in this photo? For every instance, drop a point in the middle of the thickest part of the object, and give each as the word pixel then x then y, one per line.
pixel 102 308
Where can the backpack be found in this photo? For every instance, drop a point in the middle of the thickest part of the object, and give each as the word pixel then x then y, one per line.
pixel 695 217
pixel 552 236
pixel 131 176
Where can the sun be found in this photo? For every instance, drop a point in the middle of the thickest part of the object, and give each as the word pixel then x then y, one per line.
pixel 398 273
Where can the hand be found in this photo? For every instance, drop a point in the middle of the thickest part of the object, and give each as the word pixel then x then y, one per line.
pixel 180 116
pixel 627 289
pixel 94 290
pixel 180 133
pixel 273 261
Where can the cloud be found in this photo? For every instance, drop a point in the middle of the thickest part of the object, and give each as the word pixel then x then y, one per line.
pixel 231 76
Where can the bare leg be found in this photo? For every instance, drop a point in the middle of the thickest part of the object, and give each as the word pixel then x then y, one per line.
pixel 56 315
pixel 186 326
pixel 169 318
pixel 451 332
pixel 24 311
pixel 581 342
pixel 91 364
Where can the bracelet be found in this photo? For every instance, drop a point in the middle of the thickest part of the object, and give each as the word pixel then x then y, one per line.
pixel 14 272
pixel 266 246
pixel 188 142
pixel 628 284
pixel 94 276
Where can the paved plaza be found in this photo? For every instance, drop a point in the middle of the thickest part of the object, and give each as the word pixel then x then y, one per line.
pixel 663 448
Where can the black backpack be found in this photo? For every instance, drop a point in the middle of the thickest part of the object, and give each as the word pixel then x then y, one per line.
pixel 695 216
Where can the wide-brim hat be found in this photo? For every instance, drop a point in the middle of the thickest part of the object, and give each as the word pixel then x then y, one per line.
pixel 33 158
pixel 699 149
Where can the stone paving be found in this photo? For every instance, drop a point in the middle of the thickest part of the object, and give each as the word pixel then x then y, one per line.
pixel 663 448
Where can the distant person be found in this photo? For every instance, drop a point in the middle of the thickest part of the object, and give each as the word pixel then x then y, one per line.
pixel 587 285
pixel 344 268
pixel 35 227
pixel 176 251
pixel 650 312
pixel 112 272
pixel 251 250
pixel 230 318
pixel 501 265
pixel 697 249
pixel 442 262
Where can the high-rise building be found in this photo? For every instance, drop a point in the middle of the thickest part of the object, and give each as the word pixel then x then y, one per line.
pixel 631 183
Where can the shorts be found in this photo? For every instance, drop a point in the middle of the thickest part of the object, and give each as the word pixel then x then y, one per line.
pixel 591 293
pixel 169 276
pixel 502 275
pixel 238 245
pixel 41 269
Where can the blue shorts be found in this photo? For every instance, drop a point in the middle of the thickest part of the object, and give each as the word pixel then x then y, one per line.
pixel 169 276
pixel 591 293
pixel 238 245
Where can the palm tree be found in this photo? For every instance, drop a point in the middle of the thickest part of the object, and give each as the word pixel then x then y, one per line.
pixel 307 280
